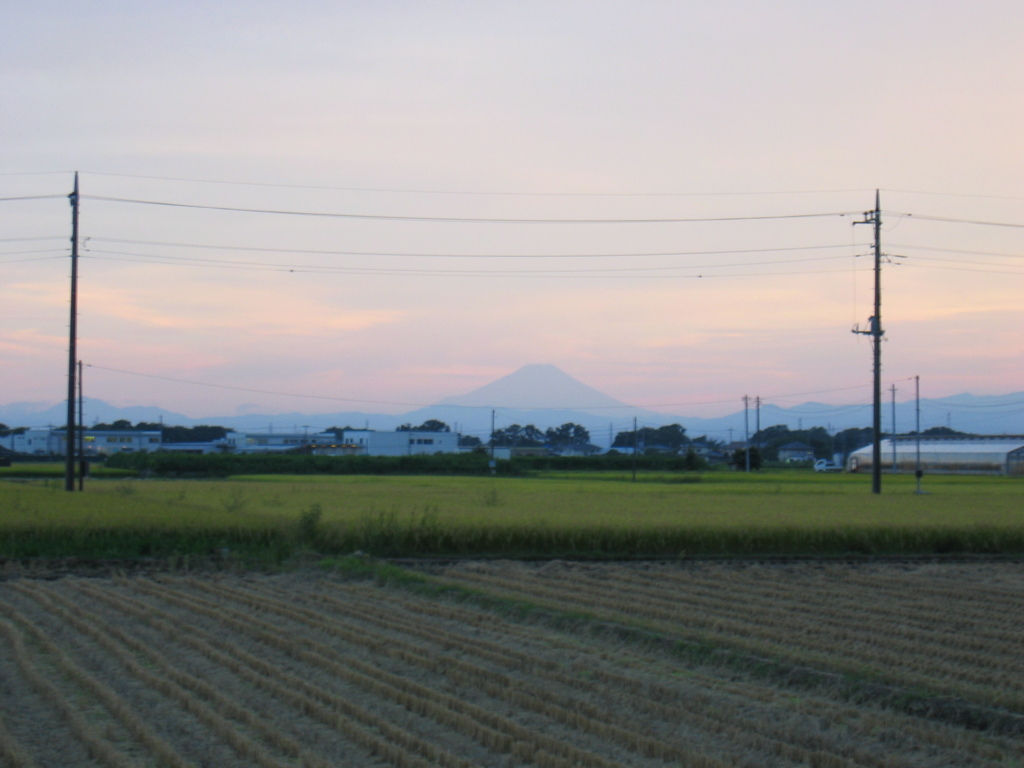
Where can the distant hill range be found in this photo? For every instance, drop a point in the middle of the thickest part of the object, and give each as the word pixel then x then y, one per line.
pixel 546 396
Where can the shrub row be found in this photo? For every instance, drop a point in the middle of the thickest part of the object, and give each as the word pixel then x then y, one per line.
pixel 170 464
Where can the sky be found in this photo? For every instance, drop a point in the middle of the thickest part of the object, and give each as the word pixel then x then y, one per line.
pixel 528 176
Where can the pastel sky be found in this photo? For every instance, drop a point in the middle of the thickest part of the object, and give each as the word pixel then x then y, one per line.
pixel 527 111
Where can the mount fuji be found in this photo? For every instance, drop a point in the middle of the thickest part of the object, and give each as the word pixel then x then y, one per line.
pixel 546 396
pixel 538 386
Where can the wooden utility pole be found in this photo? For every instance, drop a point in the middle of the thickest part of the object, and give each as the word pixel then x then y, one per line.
pixel 875 331
pixel 69 435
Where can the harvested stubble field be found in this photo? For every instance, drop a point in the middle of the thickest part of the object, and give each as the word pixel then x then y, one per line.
pixel 505 664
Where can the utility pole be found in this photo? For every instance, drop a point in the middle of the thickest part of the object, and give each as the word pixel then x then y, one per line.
pixel 82 461
pixel 491 464
pixel 917 429
pixel 875 331
pixel 69 442
pixel 636 446
pixel 746 431
pixel 894 468
pixel 757 412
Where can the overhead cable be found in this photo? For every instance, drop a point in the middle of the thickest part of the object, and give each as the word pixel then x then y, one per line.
pixel 475 193
pixel 619 274
pixel 950 220
pixel 30 197
pixel 431 405
pixel 28 239
pixel 468 255
pixel 466 220
pixel 321 267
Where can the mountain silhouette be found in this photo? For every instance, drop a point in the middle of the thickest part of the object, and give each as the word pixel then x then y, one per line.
pixel 535 386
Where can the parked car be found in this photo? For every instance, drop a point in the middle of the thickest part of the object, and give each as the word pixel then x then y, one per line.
pixel 824 465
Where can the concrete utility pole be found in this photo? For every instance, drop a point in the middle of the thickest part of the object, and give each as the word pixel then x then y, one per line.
pixel 491 465
pixel 69 442
pixel 83 464
pixel 746 431
pixel 636 447
pixel 875 331
pixel 917 430
pixel 895 469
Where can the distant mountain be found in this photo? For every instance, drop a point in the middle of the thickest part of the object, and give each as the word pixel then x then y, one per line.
pixel 43 414
pixel 546 396
pixel 536 386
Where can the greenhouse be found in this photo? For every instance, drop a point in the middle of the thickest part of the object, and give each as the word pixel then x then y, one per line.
pixel 1002 455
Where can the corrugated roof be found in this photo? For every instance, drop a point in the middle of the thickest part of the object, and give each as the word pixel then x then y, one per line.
pixel 968 446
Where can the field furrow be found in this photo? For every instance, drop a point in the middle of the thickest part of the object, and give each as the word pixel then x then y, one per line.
pixel 985 668
pixel 304 671
pixel 817 625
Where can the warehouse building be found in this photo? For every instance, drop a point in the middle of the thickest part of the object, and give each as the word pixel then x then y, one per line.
pixel 47 441
pixel 369 442
pixel 1002 455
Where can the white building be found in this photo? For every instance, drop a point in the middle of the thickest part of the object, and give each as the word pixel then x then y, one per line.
pixel 276 442
pixel 369 442
pixel 46 441
pixel 950 456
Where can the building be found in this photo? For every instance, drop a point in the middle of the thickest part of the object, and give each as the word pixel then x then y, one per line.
pixel 796 452
pixel 369 442
pixel 1003 455
pixel 274 442
pixel 46 441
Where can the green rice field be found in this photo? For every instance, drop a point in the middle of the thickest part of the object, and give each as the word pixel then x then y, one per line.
pixel 274 518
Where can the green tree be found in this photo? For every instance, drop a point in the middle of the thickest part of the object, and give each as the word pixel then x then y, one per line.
pixel 671 438
pixel 515 435
pixel 944 432
pixel 430 425
pixel 770 439
pixel 739 458
pixel 693 462
pixel 121 425
pixel 568 434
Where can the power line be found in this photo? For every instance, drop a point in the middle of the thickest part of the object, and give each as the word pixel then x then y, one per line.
pixel 465 220
pixel 35 258
pixel 641 254
pixel 951 194
pixel 31 197
pixel 37 173
pixel 474 193
pixel 29 239
pixel 957 250
pixel 964 269
pixel 227 262
pixel 574 406
pixel 618 273
pixel 951 220
pixel 40 250
pixel 944 260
